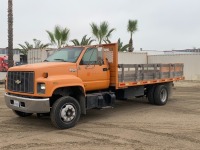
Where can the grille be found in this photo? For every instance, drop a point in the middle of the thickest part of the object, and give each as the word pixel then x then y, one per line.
pixel 22 81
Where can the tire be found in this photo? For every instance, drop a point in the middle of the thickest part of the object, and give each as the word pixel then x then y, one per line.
pixel 169 88
pixel 65 112
pixel 161 95
pixel 22 114
pixel 150 94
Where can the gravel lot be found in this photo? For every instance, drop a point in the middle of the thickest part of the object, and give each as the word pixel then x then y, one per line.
pixel 132 124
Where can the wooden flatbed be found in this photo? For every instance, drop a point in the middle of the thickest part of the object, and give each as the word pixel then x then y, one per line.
pixel 143 74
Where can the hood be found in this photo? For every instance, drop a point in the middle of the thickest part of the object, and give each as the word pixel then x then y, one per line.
pixel 52 68
pixel 41 66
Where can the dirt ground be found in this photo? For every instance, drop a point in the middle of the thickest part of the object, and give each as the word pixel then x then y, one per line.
pixel 132 124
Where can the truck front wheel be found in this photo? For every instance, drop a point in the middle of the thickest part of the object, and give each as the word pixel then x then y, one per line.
pixel 22 114
pixel 161 95
pixel 65 112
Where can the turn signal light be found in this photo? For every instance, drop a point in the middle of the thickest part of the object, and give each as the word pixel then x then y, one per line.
pixel 45 74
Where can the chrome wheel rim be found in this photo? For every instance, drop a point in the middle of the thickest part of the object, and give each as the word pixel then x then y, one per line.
pixel 163 95
pixel 68 113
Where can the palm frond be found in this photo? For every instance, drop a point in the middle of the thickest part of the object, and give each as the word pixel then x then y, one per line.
pixel 75 42
pixel 132 26
pixel 58 35
pixel 102 32
pixel 42 46
pixel 22 46
pixel 103 29
pixel 51 36
pixel 25 48
pixel 107 41
pixel 64 36
pixel 37 43
pixel 95 30
pixel 23 51
pixel 84 40
pixel 109 33
pixel 124 48
pixel 90 41
pixel 28 45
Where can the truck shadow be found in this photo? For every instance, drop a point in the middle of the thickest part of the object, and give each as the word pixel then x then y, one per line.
pixel 121 107
pixel 43 123
pixel 28 124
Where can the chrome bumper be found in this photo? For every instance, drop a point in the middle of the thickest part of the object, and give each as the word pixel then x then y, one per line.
pixel 28 105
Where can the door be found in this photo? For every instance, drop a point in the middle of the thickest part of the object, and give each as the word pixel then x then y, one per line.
pixel 93 70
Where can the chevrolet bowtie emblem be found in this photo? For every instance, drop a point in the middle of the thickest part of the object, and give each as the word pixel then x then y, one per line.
pixel 17 81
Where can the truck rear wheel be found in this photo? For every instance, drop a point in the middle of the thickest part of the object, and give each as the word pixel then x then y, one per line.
pixel 150 94
pixel 65 112
pixel 161 95
pixel 22 114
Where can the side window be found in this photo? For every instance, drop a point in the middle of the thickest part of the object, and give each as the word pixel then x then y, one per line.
pixel 100 60
pixel 92 56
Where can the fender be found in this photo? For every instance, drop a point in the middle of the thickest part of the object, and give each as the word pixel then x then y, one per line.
pixel 58 81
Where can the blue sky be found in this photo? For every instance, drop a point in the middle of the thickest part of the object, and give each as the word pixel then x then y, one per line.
pixel 162 24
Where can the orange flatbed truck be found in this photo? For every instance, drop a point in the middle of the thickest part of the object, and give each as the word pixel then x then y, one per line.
pixel 77 78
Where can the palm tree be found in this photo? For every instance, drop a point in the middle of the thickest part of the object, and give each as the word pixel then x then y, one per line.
pixel 59 37
pixel 101 32
pixel 39 45
pixel 84 41
pixel 24 48
pixel 122 47
pixel 131 27
pixel 10 34
pixel 27 46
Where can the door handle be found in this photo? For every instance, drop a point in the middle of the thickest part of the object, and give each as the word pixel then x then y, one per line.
pixel 105 69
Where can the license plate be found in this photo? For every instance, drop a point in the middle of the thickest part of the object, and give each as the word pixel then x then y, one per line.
pixel 16 103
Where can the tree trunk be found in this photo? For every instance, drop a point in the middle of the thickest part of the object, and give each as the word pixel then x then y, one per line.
pixel 130 45
pixel 10 33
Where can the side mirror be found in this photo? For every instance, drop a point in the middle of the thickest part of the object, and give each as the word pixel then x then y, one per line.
pixel 100 62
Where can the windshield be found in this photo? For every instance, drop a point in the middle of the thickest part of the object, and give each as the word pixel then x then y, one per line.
pixel 69 54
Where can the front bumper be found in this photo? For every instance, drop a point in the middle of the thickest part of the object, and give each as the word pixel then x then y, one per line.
pixel 28 105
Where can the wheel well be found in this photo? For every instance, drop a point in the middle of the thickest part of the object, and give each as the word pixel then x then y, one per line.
pixel 76 92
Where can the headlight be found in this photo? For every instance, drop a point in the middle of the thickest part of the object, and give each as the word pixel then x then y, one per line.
pixel 41 87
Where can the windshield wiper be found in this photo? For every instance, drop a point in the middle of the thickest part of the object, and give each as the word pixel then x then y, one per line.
pixel 60 59
pixel 45 60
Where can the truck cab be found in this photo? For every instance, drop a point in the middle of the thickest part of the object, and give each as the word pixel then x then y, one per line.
pixel 88 64
pixel 72 72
